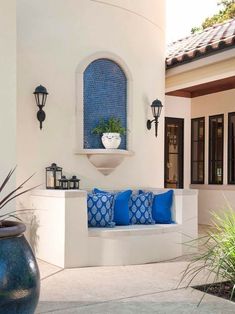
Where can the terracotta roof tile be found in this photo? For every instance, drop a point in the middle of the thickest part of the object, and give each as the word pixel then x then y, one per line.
pixel 210 40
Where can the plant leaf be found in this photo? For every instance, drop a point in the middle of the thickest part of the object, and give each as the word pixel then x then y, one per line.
pixel 25 191
pixel 7 178
pixel 3 201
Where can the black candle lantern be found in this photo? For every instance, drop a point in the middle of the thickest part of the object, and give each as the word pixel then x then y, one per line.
pixel 64 183
pixel 40 94
pixel 156 111
pixel 74 183
pixel 53 175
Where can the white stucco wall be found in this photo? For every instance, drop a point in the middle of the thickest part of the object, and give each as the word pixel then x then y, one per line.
pixel 214 197
pixel 179 107
pixel 54 37
pixel 7 91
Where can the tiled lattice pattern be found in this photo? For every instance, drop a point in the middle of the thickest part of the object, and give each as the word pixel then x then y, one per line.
pixel 105 96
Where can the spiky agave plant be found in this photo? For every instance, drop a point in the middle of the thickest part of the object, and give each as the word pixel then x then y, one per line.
pixel 217 256
pixel 10 196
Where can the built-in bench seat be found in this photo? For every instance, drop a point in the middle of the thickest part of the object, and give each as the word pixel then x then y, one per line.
pixel 64 239
pixel 133 230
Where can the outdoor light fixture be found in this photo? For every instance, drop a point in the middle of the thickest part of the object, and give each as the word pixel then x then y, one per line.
pixel 156 110
pixel 40 94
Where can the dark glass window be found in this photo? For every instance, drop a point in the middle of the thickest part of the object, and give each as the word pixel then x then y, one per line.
pixel 197 150
pixel 174 153
pixel 231 148
pixel 216 149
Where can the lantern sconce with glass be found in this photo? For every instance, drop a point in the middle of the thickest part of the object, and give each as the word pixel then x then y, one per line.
pixel 156 111
pixel 74 183
pixel 53 175
pixel 40 94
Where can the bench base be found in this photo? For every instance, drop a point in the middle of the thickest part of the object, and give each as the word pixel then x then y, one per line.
pixel 137 244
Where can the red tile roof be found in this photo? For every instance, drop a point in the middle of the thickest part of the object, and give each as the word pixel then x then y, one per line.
pixel 211 40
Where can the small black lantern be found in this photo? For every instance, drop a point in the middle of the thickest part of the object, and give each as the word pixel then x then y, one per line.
pixel 53 175
pixel 156 111
pixel 40 94
pixel 74 183
pixel 64 183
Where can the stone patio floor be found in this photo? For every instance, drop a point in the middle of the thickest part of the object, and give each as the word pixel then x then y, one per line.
pixel 150 288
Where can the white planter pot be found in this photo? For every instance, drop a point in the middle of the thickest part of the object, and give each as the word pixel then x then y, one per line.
pixel 111 140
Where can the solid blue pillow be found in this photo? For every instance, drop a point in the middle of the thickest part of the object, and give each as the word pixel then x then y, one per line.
pixel 121 207
pixel 100 210
pixel 161 208
pixel 140 208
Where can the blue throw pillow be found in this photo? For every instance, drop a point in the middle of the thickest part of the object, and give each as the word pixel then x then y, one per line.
pixel 100 210
pixel 140 207
pixel 161 209
pixel 121 207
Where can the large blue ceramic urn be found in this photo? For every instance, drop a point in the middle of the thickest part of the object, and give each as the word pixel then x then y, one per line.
pixel 19 273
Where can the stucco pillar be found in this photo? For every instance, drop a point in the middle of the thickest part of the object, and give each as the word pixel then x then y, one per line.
pixel 7 90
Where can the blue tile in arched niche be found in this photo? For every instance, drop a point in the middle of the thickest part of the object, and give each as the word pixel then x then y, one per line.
pixel 104 96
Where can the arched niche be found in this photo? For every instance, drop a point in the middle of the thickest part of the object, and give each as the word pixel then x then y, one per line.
pixel 104 96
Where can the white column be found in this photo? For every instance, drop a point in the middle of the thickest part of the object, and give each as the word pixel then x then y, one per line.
pixel 61 230
pixel 186 204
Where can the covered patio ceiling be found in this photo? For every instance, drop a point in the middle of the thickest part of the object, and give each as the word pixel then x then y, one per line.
pixel 205 88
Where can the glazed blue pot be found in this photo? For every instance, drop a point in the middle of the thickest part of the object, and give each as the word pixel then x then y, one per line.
pixel 19 273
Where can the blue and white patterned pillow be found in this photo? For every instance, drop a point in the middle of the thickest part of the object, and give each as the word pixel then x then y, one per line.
pixel 100 210
pixel 140 209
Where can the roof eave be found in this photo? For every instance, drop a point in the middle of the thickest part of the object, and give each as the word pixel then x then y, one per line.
pixel 209 51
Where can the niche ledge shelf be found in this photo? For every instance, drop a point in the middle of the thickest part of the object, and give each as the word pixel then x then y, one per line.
pixel 105 160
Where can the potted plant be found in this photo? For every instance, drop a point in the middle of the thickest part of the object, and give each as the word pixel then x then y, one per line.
pixel 111 131
pixel 19 275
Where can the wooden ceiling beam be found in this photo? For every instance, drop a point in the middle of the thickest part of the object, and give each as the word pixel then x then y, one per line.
pixel 205 88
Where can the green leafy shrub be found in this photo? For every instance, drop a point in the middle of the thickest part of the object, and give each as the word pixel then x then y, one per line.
pixel 112 125
pixel 11 196
pixel 226 13
pixel 217 252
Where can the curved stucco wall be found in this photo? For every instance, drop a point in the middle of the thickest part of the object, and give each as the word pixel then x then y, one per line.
pixel 54 38
pixel 8 94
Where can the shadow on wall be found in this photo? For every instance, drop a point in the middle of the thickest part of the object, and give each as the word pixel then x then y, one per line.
pixel 146 104
pixel 33 236
pixel 31 221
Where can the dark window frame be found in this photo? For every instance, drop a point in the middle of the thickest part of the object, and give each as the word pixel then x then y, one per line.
pixel 180 153
pixel 230 138
pixel 210 153
pixel 192 141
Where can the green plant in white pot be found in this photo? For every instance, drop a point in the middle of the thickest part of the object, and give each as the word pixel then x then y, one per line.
pixel 111 131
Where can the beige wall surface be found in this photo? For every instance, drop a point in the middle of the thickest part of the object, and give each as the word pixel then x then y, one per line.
pixel 54 37
pixel 8 91
pixel 214 197
pixel 202 74
pixel 179 107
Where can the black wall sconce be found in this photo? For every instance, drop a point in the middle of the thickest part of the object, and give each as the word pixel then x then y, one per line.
pixel 40 94
pixel 156 110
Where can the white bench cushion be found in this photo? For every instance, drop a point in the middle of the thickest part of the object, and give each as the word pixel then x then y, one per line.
pixel 133 230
